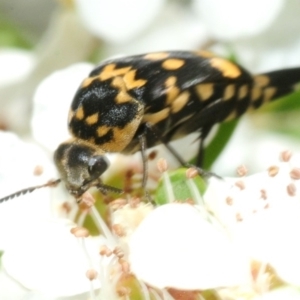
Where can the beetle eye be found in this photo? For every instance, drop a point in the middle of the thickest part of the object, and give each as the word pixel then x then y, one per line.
pixel 98 164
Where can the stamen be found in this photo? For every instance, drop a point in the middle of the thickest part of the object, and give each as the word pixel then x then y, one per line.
pixel 152 155
pixel 166 295
pixel 91 274
pixel 195 191
pixel 295 173
pixel 291 189
pixel 242 171
pixel 118 251
pixel 263 194
pixel 38 170
pixel 238 217
pixel 118 230
pixel 134 202
pixel 162 166
pixel 145 290
pixel 123 291
pixel 191 173
pixel 88 199
pixel 80 232
pixel 229 201
pixel 240 184
pixel 273 171
pixel 102 226
pixel 285 156
pixel 125 266
pixel 117 204
pixel 105 251
pixel 155 294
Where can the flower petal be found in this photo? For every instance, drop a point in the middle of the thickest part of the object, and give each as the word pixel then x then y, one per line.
pixel 233 19
pixel 15 65
pixel 52 101
pixel 175 247
pixel 47 258
pixel 18 163
pixel 118 21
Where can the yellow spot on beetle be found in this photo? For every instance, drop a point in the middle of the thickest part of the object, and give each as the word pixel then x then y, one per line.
pixel 102 130
pixel 205 54
pixel 156 55
pixel 170 81
pixel 229 92
pixel 111 71
pixel 157 117
pixel 86 82
pixel 122 136
pixel 204 91
pixel 70 115
pixel 180 101
pixel 131 82
pixel 92 119
pixel 233 115
pixel 256 93
pixel 261 80
pixel 172 64
pixel 79 114
pixel 171 91
pixel 226 67
pixel 123 97
pixel 243 91
pixel 119 83
pixel 269 94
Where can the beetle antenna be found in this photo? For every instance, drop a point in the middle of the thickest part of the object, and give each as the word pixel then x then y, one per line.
pixel 103 188
pixel 51 183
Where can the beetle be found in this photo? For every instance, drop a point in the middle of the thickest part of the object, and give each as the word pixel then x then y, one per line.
pixel 132 103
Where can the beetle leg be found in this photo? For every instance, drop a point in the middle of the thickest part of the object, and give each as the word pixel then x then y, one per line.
pixel 201 172
pixel 143 148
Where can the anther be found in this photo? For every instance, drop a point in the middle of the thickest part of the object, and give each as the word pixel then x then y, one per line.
pixel 273 171
pixel 191 173
pixel 241 170
pixel 105 251
pixel 91 274
pixel 240 184
pixel 88 199
pixel 295 173
pixel 118 230
pixel 80 232
pixel 38 170
pixel 229 201
pixel 162 165
pixel 291 189
pixel 286 155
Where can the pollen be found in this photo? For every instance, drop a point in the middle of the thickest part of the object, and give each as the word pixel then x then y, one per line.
pixel 285 155
pixel 80 232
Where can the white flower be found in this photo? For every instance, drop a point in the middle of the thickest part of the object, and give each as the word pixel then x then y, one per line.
pixel 45 257
pixel 118 21
pixel 135 26
pixel 175 247
pixel 22 165
pixel 280 294
pixel 232 19
pixel 52 101
pixel 262 212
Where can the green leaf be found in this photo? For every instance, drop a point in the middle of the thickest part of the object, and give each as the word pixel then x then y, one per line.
pixel 12 36
pixel 180 187
pixel 289 103
pixel 216 146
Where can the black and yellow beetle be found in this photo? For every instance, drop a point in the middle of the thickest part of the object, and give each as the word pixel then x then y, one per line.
pixel 129 102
